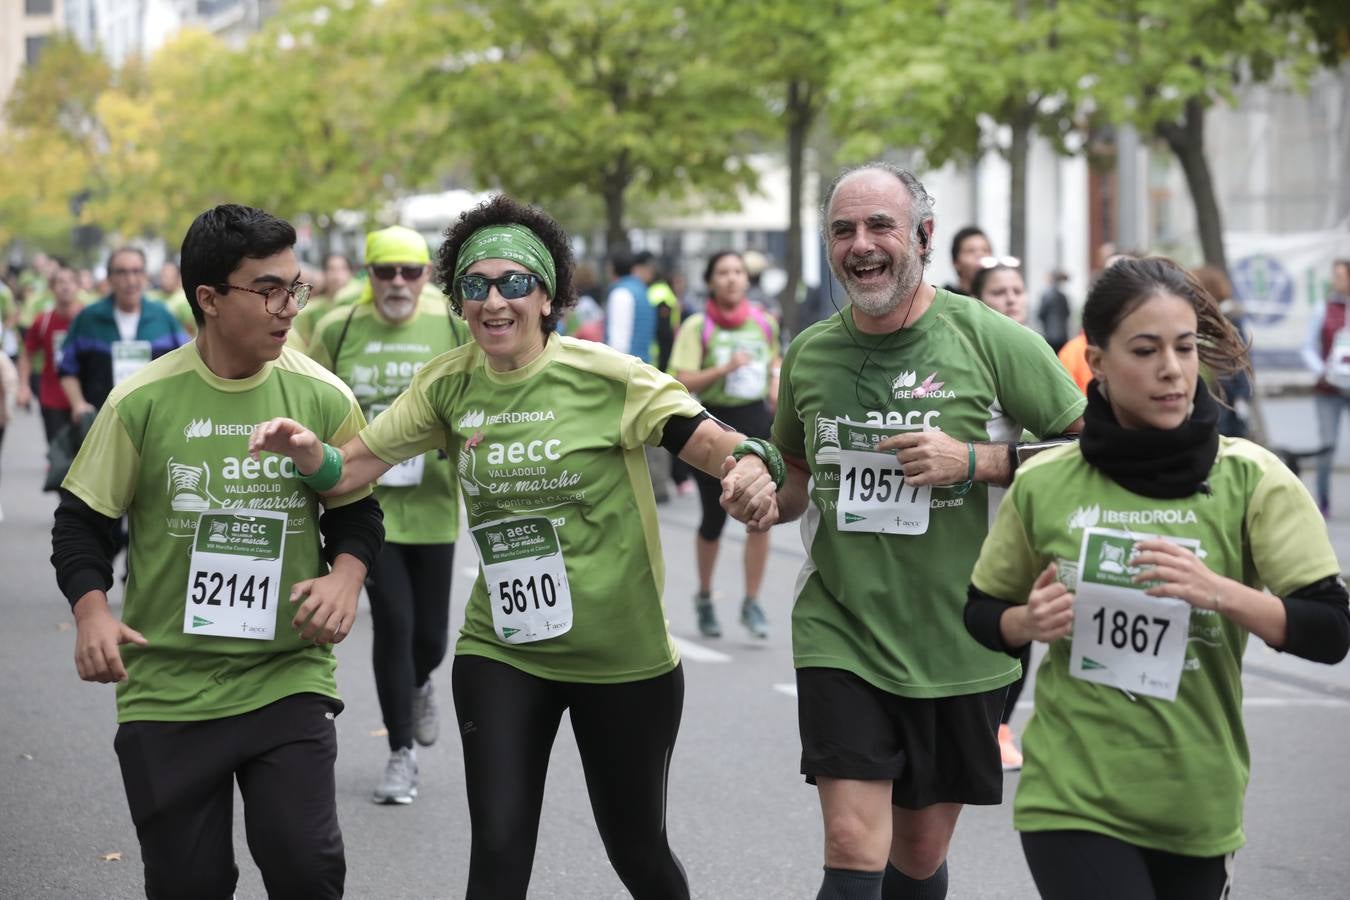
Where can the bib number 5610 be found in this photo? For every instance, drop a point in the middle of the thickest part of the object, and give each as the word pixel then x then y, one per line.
pixel 521 594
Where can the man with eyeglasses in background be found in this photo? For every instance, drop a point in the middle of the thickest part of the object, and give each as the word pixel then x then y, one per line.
pixel 112 339
pixel 223 653
pixel 376 346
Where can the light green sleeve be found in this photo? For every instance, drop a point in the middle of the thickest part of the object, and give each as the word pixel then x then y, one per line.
pixel 104 472
pixel 352 425
pixel 687 353
pixel 409 427
pixel 789 433
pixel 653 398
pixel 1288 539
pixel 1008 564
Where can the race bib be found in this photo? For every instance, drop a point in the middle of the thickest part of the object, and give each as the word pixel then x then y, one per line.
pixel 234 578
pixel 1338 361
pixel 750 381
pixel 1122 637
pixel 526 579
pixel 873 493
pixel 128 358
pixel 406 474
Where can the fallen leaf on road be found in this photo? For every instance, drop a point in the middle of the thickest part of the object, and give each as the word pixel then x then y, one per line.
pixel 27 756
pixel 380 732
pixel 115 856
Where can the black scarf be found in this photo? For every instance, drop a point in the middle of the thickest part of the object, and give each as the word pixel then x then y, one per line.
pixel 1166 464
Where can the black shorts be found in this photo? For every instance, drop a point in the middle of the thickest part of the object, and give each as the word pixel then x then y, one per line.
pixel 941 750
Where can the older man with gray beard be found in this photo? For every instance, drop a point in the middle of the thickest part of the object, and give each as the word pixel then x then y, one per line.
pixel 895 417
pixel 376 345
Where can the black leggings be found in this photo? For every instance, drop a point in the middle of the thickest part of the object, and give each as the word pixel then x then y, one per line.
pixel 409 591
pixel 751 420
pixel 625 733
pixel 1015 689
pixel 1070 865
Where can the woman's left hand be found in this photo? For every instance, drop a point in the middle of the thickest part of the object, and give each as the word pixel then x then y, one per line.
pixel 1181 573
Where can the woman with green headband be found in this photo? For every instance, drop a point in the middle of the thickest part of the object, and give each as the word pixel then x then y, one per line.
pixel 548 434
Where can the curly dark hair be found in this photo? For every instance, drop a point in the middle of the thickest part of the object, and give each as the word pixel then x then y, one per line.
pixel 502 210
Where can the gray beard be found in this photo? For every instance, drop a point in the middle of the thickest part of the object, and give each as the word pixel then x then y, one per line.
pixel 882 302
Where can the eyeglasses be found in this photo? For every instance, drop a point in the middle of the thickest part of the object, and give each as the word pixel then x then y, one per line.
pixel 275 298
pixel 993 262
pixel 115 272
pixel 387 273
pixel 512 286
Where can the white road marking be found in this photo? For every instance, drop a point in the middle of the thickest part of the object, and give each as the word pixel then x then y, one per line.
pixel 1264 702
pixel 788 688
pixel 469 571
pixel 700 653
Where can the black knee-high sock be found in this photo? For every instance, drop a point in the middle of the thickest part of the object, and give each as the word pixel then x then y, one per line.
pixel 899 886
pixel 850 884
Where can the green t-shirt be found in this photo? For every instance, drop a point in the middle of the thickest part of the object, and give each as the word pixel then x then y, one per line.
pixel 562 437
pixel 378 361
pixel 169 444
pixel 1160 774
pixel 315 311
pixel 889 607
pixel 177 302
pixel 750 383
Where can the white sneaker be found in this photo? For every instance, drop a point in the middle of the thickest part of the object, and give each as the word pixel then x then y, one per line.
pixel 426 722
pixel 399 784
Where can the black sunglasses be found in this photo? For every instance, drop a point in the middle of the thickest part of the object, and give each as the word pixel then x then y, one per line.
pixel 512 286
pixel 387 273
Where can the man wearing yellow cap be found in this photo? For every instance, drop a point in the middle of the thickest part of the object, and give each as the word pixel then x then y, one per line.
pixel 376 345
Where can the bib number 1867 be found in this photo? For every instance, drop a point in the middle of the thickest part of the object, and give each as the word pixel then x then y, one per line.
pixel 1129 630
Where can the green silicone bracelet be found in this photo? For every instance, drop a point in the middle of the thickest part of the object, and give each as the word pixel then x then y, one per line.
pixel 773 460
pixel 329 472
pixel 963 489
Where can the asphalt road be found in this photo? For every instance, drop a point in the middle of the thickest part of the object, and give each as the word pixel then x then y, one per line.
pixel 740 818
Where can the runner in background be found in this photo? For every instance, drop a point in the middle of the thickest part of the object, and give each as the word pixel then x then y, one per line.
pixel 116 337
pixel 223 655
pixel 727 356
pixel 42 353
pixel 549 433
pixel 376 348
pixel 172 296
pixel 1149 542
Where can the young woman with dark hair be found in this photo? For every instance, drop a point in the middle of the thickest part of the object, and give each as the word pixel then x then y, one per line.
pixel 1149 542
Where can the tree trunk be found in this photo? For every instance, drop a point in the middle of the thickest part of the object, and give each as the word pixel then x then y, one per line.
pixel 613 191
pixel 1021 122
pixel 1186 140
pixel 801 113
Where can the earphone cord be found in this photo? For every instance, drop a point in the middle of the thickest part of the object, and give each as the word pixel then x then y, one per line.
pixel 843 319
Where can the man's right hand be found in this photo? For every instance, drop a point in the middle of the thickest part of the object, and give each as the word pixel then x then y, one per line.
pixel 78 410
pixel 289 438
pixel 98 636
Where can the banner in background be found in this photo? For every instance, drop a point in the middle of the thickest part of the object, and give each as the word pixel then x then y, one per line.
pixel 1280 279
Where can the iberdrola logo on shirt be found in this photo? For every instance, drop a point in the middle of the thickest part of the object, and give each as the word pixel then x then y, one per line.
pixel 1092 516
pixel 1085 517
pixel 903 388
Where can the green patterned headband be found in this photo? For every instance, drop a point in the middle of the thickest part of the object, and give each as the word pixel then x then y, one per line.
pixel 514 242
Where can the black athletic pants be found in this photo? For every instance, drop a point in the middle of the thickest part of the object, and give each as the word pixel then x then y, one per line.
pixel 409 589
pixel 751 420
pixel 179 778
pixel 1072 865
pixel 1015 689
pixel 625 732
pixel 53 420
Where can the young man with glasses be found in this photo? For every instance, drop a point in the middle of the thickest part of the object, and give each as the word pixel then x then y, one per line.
pixel 112 339
pixel 376 347
pixel 223 653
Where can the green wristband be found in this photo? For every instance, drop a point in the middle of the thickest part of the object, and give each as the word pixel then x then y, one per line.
pixel 773 460
pixel 329 472
pixel 962 489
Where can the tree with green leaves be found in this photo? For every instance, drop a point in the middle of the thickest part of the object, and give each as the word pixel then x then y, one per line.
pixel 606 96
